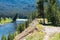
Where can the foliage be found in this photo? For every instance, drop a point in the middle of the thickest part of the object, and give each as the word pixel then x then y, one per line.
pixel 15 17
pixel 12 36
pixel 40 8
pixel 21 27
pixel 33 15
pixel 6 20
pixel 3 37
pixel 26 24
pixel 52 12
pixel 40 27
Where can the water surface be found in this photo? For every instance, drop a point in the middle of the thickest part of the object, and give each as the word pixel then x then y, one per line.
pixel 10 27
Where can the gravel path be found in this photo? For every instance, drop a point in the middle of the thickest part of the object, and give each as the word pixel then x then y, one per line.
pixel 50 30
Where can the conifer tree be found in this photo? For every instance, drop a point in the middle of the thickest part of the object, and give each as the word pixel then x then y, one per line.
pixel 40 8
pixel 53 10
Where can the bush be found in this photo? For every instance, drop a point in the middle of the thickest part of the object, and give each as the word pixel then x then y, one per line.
pixel 6 20
pixel 21 27
pixel 3 37
pixel 10 37
pixel 40 27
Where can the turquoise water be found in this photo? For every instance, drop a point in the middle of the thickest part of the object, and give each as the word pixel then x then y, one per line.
pixel 9 28
pixel 6 29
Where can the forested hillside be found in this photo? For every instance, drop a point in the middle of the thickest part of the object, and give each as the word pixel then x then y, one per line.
pixel 11 7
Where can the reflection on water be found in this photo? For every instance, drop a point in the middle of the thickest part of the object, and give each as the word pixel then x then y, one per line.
pixel 9 28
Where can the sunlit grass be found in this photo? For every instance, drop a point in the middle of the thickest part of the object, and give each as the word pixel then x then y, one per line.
pixel 6 20
pixel 55 37
pixel 37 35
pixel 40 27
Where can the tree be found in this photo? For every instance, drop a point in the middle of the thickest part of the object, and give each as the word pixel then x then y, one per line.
pixel 40 8
pixel 15 17
pixel 52 11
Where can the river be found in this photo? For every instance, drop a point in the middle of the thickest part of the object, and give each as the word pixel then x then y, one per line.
pixel 10 27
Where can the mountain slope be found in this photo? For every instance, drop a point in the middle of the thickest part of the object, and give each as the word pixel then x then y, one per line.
pixel 16 6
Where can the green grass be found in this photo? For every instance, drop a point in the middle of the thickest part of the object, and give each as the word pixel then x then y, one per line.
pixel 55 37
pixel 6 20
pixel 37 35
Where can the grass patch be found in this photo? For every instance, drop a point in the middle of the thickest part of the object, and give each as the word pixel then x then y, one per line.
pixel 37 35
pixel 6 20
pixel 40 27
pixel 55 37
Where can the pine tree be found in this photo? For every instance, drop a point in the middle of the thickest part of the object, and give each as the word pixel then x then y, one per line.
pixel 52 11
pixel 40 8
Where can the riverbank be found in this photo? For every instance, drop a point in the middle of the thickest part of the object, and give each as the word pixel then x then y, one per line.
pixel 5 20
pixel 10 28
pixel 31 32
pixel 9 20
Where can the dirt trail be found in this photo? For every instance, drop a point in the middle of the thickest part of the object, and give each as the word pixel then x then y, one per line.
pixel 50 30
pixel 27 31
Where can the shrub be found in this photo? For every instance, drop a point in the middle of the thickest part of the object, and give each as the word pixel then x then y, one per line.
pixel 21 27
pixel 3 37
